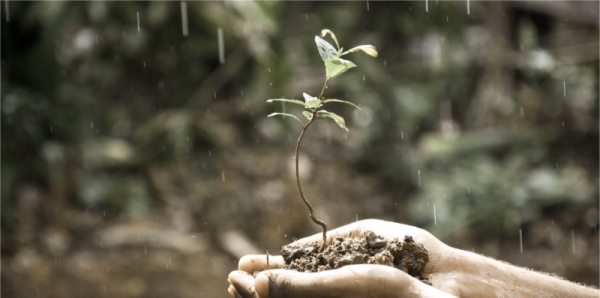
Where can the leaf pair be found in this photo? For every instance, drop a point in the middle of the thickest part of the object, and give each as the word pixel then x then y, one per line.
pixel 334 65
pixel 314 104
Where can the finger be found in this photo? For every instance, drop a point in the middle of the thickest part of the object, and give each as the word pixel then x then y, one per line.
pixel 233 292
pixel 243 284
pixel 350 282
pixel 253 263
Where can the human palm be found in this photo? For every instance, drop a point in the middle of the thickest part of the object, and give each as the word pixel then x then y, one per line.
pixel 349 281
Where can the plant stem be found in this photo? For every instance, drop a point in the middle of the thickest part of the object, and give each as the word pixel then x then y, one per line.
pixel 296 157
pixel 323 90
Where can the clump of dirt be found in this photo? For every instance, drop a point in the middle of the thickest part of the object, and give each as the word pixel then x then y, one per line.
pixel 370 248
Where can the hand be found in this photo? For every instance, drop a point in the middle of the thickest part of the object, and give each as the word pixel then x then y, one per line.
pixel 348 281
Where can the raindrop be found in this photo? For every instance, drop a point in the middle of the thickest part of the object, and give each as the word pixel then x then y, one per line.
pixel 91 124
pixel 242 92
pixel 223 176
pixel 573 240
pixel 363 78
pixel 367 5
pixel 402 135
pixel 221 46
pixel 145 251
pixel 447 19
pixel 434 216
pixel 51 128
pixel 144 64
pixel 209 153
pixel 468 8
pixel 426 6
pixel 269 69
pixel 138 20
pixel 521 239
pixel 6 11
pixel 215 94
pixel 270 83
pixel 419 178
pixel 356 216
pixel 184 18
pixel 384 62
pixel 563 124
pixel 307 17
pixel 522 114
pixel 565 88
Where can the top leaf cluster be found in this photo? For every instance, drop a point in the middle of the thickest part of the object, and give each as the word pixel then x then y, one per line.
pixel 334 66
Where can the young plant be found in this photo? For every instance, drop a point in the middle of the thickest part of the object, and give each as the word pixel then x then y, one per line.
pixel 334 66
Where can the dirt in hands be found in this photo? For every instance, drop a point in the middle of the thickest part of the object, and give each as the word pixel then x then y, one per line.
pixel 370 248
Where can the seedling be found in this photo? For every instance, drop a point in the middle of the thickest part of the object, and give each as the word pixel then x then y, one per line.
pixel 334 66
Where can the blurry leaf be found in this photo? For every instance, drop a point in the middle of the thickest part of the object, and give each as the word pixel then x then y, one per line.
pixel 369 49
pixel 336 66
pixel 311 102
pixel 337 118
pixel 326 50
pixel 307 115
pixel 298 102
pixel 327 31
pixel 342 101
pixel 285 114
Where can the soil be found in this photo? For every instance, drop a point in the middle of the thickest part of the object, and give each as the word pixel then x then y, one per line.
pixel 370 248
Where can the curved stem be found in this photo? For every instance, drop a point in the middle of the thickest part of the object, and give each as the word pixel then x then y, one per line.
pixel 297 158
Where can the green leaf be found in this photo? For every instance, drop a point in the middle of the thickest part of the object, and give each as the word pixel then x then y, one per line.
pixel 326 50
pixel 337 118
pixel 327 31
pixel 307 115
pixel 298 102
pixel 368 49
pixel 287 115
pixel 311 102
pixel 336 66
pixel 342 101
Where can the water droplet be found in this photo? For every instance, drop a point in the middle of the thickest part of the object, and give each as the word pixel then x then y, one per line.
pixel 367 5
pixel 223 176
pixel 426 6
pixel 521 239
pixel 221 46
pixel 434 216
pixel 138 20
pixel 184 19
pixel 468 8
pixel 419 171
pixel 565 88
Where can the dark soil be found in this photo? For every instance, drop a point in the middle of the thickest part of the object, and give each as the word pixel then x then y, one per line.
pixel 371 248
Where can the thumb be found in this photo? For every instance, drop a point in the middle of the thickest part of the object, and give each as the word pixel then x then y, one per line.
pixel 284 283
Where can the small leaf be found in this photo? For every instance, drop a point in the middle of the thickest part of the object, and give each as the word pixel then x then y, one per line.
pixel 298 102
pixel 342 101
pixel 336 66
pixel 369 49
pixel 307 115
pixel 311 102
pixel 326 50
pixel 327 31
pixel 337 118
pixel 287 115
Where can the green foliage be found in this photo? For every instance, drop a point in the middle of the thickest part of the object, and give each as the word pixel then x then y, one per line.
pixel 334 67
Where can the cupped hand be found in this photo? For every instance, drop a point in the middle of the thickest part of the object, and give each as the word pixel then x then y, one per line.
pixel 349 281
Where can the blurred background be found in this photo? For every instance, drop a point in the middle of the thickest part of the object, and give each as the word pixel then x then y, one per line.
pixel 138 161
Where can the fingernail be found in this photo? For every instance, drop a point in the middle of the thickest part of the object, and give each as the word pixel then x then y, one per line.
pixel 261 286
